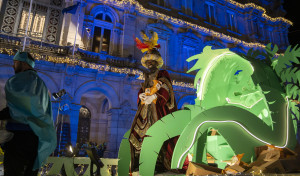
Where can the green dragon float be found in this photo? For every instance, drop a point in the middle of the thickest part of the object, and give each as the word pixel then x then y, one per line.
pixel 241 97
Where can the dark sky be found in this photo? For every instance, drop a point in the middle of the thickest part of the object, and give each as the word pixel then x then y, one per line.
pixel 293 14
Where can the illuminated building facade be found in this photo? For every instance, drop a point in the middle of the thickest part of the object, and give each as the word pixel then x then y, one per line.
pixel 103 78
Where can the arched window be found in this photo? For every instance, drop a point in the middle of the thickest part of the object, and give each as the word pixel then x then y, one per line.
pixel 99 16
pixel 103 25
pixel 84 125
pixel 108 19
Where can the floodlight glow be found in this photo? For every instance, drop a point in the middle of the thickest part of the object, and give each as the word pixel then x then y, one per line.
pixel 232 121
pixel 211 63
pixel 71 149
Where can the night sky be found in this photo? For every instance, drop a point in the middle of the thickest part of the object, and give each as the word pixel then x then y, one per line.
pixel 293 14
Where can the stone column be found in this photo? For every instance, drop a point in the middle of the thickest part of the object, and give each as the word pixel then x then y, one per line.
pixel 112 134
pixel 174 54
pixel 74 118
pixel 116 42
pixel 180 53
pixel 128 31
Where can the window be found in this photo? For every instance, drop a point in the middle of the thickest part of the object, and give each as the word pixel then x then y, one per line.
pixel 37 20
pixel 231 21
pixel 187 53
pixel 84 125
pixel 210 13
pixel 187 7
pixel 101 39
pixel 99 16
pixel 102 33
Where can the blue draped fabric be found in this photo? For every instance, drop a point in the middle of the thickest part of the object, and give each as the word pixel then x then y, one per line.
pixel 29 103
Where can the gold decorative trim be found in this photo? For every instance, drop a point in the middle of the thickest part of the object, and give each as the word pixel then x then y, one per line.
pixel 135 143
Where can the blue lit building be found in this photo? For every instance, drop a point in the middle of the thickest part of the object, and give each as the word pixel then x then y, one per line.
pixel 103 78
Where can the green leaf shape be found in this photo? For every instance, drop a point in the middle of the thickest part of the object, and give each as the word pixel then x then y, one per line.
pixel 168 127
pixel 124 155
pixel 231 132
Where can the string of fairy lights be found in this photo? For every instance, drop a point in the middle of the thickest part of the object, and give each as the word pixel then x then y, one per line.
pixel 99 67
pixel 264 14
pixel 127 3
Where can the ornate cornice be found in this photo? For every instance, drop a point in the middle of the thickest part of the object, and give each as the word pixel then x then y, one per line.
pixel 264 14
pixel 68 59
pixel 179 22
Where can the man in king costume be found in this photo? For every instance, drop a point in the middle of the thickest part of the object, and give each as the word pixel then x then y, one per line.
pixel 155 99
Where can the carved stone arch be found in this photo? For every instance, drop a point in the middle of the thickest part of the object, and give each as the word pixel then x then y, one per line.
pixel 49 81
pixel 93 100
pixel 92 108
pixel 189 99
pixel 215 44
pixel 104 88
pixel 106 9
pixel 104 106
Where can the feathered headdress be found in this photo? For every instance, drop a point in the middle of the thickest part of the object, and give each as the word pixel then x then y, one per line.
pixel 149 46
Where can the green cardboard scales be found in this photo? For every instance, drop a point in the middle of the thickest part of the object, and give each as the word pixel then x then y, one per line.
pixel 241 97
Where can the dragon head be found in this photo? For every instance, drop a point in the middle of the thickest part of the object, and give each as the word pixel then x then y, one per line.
pixel 225 78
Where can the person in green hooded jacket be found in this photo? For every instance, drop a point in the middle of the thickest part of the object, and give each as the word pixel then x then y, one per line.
pixel 29 118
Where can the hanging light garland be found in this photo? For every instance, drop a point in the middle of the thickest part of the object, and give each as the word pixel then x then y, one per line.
pixel 94 66
pixel 264 15
pixel 129 3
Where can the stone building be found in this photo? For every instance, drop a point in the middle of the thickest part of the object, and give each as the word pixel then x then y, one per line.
pixel 103 77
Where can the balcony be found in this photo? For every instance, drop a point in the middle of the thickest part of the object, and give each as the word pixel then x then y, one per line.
pixel 9 44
